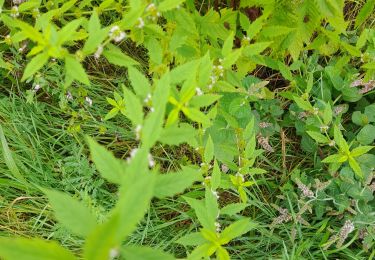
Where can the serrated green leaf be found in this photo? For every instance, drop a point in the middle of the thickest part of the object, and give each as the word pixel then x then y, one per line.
pixel 34 65
pixel 115 56
pixel 358 151
pixel 133 107
pixel 228 45
pixel 355 166
pixel 209 150
pixel 335 158
pixel 32 249
pixel 173 183
pixel 318 137
pixel 75 70
pixel 192 239
pixel 233 209
pixel 144 253
pixel 174 135
pixel 109 167
pixel 167 5
pixel 236 229
pixel 71 213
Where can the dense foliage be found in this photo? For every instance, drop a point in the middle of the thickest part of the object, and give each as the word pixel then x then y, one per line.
pixel 147 129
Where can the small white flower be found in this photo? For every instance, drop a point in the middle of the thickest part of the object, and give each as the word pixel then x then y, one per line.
pixel 218 226
pixel 133 152
pixel 151 7
pixel 138 132
pixel 241 176
pixel 199 92
pixel 37 87
pixel 220 60
pixel 220 67
pixel 151 162
pixel 141 23
pixel 113 253
pixel 158 14
pixel 69 96
pixel 98 52
pixel 246 38
pixel 116 34
pixel 89 101
pixel 209 86
pixel 152 109
pixel 316 111
pixel 332 143
pixel 148 98
pixel 216 195
pixel 323 128
pixel 14 12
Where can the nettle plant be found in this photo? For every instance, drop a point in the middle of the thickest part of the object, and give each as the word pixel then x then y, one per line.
pixel 194 88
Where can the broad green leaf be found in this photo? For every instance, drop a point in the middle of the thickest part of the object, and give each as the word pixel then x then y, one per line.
pixel 129 210
pixel 133 107
pixel 303 104
pixel 112 113
pixel 365 12
pixel 202 251
pixel 155 51
pixel 144 253
pixel 34 65
pixel 139 82
pixel 30 32
pixel 75 70
pixel 209 150
pixel 318 137
pixel 96 34
pixel 212 205
pixel 255 48
pixel 204 100
pixel 236 229
pixel 232 209
pixel 174 135
pixel 360 150
pixel 167 5
pixel 370 112
pixel 231 58
pixel 28 5
pixel 327 114
pixel 204 71
pixel 201 212
pixel 191 239
pixel 222 254
pixel 68 31
pixel 366 135
pixel 8 158
pixel 71 213
pixel 216 176
pixel 152 128
pixel 32 249
pixel 115 56
pixel 335 158
pixel 360 119
pixel 173 183
pixel 109 167
pixel 228 45
pixel 196 115
pixel 339 139
pixel 355 166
